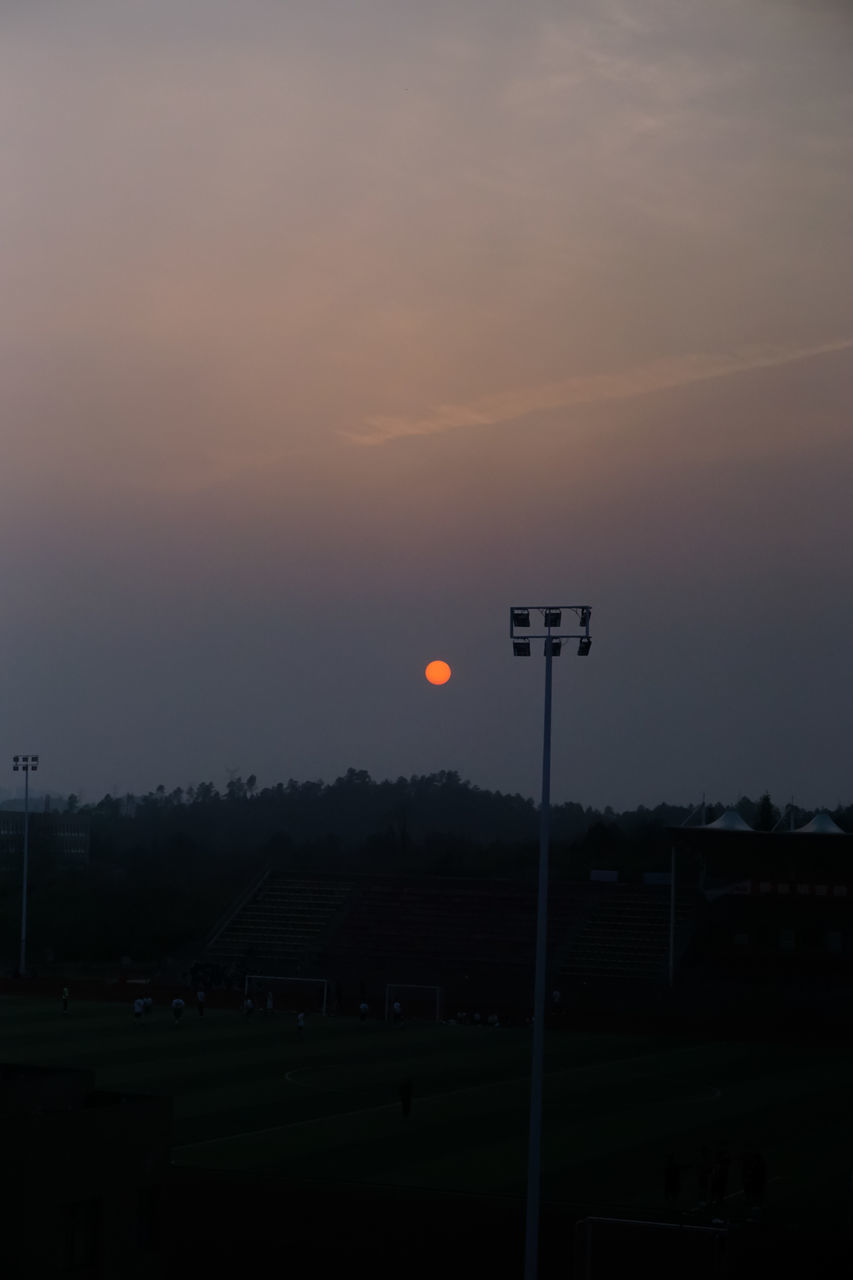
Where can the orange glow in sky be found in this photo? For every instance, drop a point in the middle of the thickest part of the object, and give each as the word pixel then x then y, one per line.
pixel 307 305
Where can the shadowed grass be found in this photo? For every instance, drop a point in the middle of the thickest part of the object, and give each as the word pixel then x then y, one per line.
pixel 252 1095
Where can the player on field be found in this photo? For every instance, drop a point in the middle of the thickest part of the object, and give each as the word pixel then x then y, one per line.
pixel 704 1168
pixel 754 1178
pixel 199 1002
pixel 363 1011
pixel 300 1024
pixel 177 1008
pixel 720 1174
pixel 64 999
pixel 396 1011
pixel 269 1004
pixel 147 1004
pixel 672 1180
pixel 138 1006
pixel 248 1006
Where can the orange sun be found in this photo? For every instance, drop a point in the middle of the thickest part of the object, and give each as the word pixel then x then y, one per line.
pixel 437 672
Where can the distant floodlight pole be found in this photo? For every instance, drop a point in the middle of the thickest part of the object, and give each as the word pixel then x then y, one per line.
pixel 519 621
pixel 25 765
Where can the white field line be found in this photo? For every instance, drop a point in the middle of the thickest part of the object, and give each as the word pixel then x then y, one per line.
pixel 392 1106
pixel 733 1195
pixel 332 1115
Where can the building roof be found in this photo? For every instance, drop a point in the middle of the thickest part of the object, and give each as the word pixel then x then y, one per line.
pixel 728 821
pixel 820 825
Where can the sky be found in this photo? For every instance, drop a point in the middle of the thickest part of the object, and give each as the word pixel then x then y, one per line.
pixel 334 328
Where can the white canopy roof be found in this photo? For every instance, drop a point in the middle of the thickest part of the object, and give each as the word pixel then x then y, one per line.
pixel 728 821
pixel 820 825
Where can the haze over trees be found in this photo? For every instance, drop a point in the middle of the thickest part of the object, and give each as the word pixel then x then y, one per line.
pixel 165 865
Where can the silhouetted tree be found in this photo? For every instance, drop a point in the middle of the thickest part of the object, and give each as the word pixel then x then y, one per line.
pixel 766 814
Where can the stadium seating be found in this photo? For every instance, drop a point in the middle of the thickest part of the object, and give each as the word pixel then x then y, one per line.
pixel 462 934
pixel 623 935
pixel 279 930
pixel 434 930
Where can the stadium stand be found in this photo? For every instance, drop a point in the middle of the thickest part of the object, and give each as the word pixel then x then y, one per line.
pixel 473 937
pixel 280 928
pixel 436 926
pixel 624 934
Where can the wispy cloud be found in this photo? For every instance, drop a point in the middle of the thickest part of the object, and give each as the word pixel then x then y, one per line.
pixel 658 375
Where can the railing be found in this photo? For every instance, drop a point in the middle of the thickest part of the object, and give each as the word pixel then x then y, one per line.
pixel 225 919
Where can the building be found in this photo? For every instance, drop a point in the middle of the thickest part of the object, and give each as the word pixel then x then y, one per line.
pixel 776 905
pixel 86 1170
pixel 56 837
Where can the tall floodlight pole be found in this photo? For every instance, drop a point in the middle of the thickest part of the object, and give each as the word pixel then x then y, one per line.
pixel 25 765
pixel 553 637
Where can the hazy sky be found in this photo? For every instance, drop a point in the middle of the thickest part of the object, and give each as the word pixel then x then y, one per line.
pixel 332 328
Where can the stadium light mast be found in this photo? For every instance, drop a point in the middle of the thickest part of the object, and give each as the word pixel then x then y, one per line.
pixel 553 637
pixel 25 765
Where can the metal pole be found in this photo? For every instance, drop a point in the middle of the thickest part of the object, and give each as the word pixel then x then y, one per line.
pixel 534 1155
pixel 22 965
pixel 672 918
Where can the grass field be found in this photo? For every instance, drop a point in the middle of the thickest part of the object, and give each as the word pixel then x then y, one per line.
pixel 251 1095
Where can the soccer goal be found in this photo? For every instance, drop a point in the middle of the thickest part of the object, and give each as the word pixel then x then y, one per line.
pixel 615 1246
pixel 289 995
pixel 415 1001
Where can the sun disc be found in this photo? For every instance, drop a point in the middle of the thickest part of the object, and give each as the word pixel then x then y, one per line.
pixel 437 672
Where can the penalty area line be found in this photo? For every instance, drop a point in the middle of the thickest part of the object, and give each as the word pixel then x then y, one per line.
pixel 392 1106
pixel 293 1124
pixel 336 1115
pixel 733 1195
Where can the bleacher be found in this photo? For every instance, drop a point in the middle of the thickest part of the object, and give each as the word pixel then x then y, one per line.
pixel 623 934
pixel 436 930
pixel 279 930
pixel 466 935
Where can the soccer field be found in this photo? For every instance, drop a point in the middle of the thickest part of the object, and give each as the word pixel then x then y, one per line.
pixel 252 1095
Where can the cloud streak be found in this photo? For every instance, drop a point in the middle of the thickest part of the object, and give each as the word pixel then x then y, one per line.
pixel 658 375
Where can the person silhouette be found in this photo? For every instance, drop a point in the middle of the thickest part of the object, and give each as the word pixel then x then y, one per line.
pixel 672 1180
pixel 703 1170
pixel 720 1174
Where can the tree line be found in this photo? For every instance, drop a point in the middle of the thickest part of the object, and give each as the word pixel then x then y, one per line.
pixel 165 865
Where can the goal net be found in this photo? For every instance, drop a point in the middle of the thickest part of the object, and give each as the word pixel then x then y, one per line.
pixel 289 995
pixel 418 1002
pixel 606 1247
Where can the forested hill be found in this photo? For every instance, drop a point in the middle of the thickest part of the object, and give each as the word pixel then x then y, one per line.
pixel 164 866
pixel 353 816
pixel 364 821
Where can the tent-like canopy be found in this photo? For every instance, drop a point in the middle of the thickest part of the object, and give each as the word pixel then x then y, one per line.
pixel 820 825
pixel 728 821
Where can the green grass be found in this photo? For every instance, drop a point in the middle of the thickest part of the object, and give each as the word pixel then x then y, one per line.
pixel 251 1095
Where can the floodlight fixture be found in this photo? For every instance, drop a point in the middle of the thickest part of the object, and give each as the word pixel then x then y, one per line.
pixel 26 765
pixel 553 646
